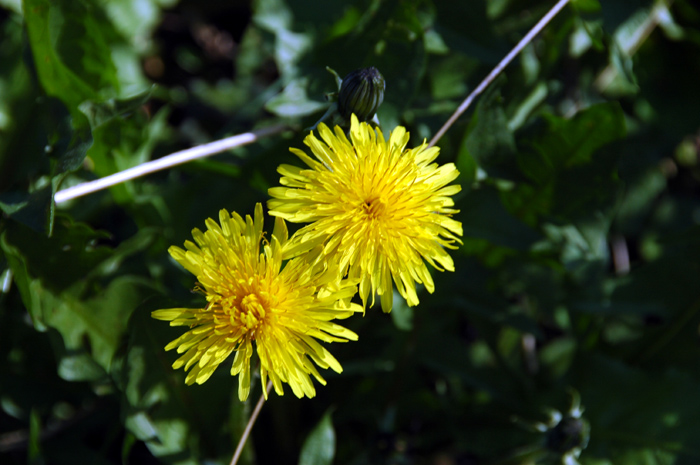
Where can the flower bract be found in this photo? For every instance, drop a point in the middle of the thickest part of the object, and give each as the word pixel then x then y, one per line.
pixel 379 209
pixel 257 302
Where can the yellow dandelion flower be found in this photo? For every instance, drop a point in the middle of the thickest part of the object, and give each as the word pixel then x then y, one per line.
pixel 253 300
pixel 379 209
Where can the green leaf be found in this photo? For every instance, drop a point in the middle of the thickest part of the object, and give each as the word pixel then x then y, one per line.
pixel 71 50
pixel 488 139
pixel 123 141
pixel 59 291
pixel 62 260
pixel 625 417
pixel 319 447
pixel 275 17
pixel 14 5
pixel 401 314
pixel 32 209
pixel 293 101
pixel 135 19
pixel 64 148
pixel 572 142
pixel 179 423
pixel 483 216
pixel 573 173
pixel 586 6
pixel 103 112
pixel 449 75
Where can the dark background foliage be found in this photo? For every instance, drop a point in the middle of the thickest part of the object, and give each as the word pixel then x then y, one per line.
pixel 578 277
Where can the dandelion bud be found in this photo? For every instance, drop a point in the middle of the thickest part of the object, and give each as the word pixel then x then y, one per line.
pixel 361 93
pixel 569 434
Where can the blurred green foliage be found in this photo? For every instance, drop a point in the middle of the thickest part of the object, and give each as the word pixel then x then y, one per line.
pixel 580 204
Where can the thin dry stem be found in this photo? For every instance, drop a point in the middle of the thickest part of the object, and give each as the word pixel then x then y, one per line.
pixel 177 158
pixel 249 426
pixel 499 68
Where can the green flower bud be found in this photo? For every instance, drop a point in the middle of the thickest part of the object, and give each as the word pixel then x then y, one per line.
pixel 361 93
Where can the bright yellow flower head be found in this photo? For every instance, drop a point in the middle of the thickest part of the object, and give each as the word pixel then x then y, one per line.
pixel 380 210
pixel 251 297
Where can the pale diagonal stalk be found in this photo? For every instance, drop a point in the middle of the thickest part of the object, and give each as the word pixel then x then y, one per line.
pixel 177 158
pixel 499 68
pixel 249 426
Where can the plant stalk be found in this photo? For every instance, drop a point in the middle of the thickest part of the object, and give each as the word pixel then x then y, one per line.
pixel 249 426
pixel 168 161
pixel 499 68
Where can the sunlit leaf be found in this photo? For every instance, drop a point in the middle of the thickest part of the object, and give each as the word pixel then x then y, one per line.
pixel 319 447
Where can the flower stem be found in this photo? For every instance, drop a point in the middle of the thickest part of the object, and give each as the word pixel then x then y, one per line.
pixel 249 426
pixel 177 158
pixel 499 68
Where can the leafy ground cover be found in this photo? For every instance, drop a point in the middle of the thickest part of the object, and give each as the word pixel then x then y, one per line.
pixel 569 326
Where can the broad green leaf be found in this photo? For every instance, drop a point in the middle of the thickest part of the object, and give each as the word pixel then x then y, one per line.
pixel 573 173
pixel 319 447
pixel 525 109
pixel 571 142
pixel 60 292
pixel 71 50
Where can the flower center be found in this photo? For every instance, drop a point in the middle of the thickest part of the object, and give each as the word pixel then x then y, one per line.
pixel 373 207
pixel 251 312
